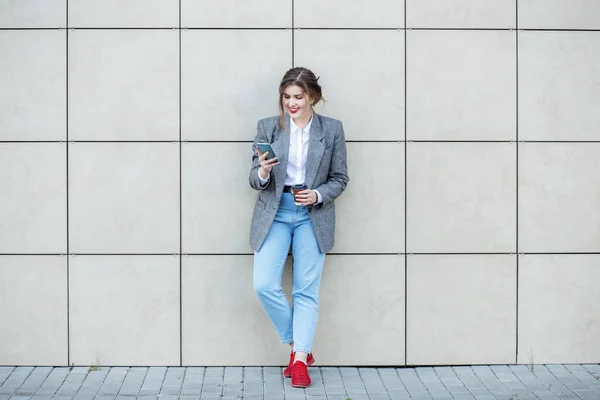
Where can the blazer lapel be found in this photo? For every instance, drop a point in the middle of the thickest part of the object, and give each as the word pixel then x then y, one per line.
pixel 315 150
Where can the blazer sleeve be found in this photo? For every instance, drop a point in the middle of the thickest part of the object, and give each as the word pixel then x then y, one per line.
pixel 261 137
pixel 337 178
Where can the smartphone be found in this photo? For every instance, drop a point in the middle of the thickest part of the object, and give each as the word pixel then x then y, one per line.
pixel 264 147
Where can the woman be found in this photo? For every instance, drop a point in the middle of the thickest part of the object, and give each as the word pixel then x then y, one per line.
pixel 310 149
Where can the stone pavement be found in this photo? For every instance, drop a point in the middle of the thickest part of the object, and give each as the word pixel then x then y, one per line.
pixel 508 382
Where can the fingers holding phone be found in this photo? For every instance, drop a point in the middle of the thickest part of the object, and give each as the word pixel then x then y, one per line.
pixel 267 161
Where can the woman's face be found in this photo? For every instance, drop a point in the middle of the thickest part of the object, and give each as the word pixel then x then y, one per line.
pixel 297 103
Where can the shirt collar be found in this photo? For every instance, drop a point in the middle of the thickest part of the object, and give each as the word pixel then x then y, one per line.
pixel 293 126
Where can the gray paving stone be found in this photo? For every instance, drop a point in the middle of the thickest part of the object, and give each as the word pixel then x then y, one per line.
pixel 214 372
pixel 355 389
pixel 73 382
pixel 253 397
pixel 195 370
pixel 519 388
pixel 191 392
pixel 32 383
pixel 467 377
pixel 153 381
pixel 253 388
pixel 337 397
pixel 398 394
pixel 105 396
pixel 427 375
pixel 550 380
pixel 174 376
pixel 496 382
pixel 233 392
pixel 585 377
pixel 133 381
pixel 336 391
pixel 480 392
pixel 206 397
pixel 331 378
pixel 483 371
pixel 233 373
pixel 386 371
pixel 332 390
pixel 313 390
pixel 317 387
pixel 486 397
pixel 499 388
pixel 18 376
pixel 423 395
pixel 85 393
pixel 463 396
pixel 379 396
pixel 273 390
pixel 593 368
pixel 372 382
pixel 296 394
pixel 451 380
pixel 211 386
pixel 147 397
pixel 277 371
pixel 192 382
pixel 251 374
pixel 112 383
pixel 3 377
pixel 439 392
pixel 169 390
pixel 52 383
pixel 169 397
pixel 348 371
pixel 572 383
pixel 413 383
pixel 500 391
pixel 391 381
pixel 456 390
pixel 520 370
pixel 65 397
pixel 528 378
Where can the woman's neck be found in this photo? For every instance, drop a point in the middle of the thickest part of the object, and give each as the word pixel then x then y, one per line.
pixel 302 124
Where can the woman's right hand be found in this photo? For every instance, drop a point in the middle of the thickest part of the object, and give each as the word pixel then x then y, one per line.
pixel 266 165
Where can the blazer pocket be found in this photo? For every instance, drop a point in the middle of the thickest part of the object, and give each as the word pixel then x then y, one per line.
pixel 261 203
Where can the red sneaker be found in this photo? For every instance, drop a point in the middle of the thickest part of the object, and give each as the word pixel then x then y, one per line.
pixel 300 378
pixel 287 373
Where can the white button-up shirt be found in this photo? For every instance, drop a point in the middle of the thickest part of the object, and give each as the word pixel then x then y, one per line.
pixel 296 167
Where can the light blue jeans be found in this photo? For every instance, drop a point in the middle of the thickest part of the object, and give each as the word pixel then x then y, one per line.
pixel 291 225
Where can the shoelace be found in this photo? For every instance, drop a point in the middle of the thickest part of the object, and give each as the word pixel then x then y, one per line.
pixel 302 369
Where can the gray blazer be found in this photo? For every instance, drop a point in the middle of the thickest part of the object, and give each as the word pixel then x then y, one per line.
pixel 326 171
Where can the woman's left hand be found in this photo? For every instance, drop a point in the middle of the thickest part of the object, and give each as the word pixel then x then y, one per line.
pixel 306 197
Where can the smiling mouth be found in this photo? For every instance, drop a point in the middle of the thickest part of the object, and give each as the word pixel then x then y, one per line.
pixel 294 110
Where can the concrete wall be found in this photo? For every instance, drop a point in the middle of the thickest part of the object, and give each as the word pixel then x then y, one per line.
pixel 469 233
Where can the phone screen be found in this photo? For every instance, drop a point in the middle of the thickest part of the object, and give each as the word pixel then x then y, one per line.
pixel 264 147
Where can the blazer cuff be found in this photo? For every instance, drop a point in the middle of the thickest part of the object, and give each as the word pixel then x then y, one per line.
pixel 319 197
